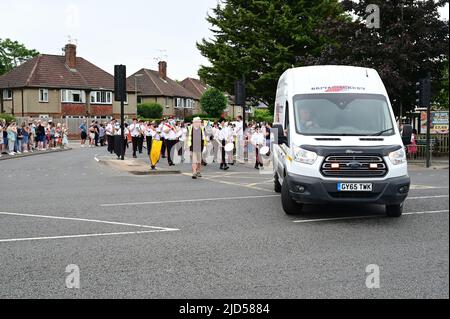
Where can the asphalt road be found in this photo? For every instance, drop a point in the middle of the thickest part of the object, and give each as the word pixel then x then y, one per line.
pixel 224 236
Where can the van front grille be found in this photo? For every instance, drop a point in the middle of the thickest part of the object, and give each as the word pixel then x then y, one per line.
pixel 354 166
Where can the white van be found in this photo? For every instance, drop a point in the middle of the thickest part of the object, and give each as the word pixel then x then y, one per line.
pixel 335 140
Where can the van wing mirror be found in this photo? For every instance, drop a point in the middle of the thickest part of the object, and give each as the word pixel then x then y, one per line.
pixel 278 132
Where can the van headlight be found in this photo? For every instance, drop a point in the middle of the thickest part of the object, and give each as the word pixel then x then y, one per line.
pixel 398 157
pixel 304 156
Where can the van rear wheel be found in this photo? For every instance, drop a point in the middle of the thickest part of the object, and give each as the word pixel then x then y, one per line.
pixel 394 211
pixel 290 206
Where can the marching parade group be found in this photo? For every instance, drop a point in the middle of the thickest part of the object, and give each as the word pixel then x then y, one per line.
pixel 200 142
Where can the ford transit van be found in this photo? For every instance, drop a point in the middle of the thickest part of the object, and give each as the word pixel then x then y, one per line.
pixel 336 140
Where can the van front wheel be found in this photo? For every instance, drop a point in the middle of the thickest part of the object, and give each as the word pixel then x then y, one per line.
pixel 394 210
pixel 277 186
pixel 290 206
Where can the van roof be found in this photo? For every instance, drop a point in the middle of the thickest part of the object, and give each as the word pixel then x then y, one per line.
pixel 334 79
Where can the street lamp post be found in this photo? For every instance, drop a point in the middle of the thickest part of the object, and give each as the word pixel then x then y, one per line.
pixel 135 86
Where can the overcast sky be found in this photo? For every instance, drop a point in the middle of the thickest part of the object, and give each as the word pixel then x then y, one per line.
pixel 110 32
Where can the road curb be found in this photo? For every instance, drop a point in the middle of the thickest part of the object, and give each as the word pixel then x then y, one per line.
pixel 35 153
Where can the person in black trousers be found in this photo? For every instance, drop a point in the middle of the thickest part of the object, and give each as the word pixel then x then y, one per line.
pixel 141 136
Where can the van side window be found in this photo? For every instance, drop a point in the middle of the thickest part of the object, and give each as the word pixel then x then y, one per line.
pixel 286 122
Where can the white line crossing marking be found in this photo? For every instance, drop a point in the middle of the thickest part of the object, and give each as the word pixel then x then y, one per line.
pixel 189 200
pixel 155 229
pixel 366 217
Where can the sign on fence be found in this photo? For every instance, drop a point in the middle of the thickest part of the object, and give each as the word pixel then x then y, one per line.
pixel 439 122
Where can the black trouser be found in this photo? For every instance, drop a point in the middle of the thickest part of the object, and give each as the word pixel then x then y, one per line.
pixel 223 163
pixel 110 140
pixel 258 158
pixel 149 144
pixel 141 143
pixel 170 144
pixel 135 141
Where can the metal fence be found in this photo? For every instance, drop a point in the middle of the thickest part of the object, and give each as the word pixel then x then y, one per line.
pixel 439 146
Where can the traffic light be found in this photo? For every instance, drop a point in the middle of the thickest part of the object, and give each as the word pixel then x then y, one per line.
pixel 423 92
pixel 120 83
pixel 239 92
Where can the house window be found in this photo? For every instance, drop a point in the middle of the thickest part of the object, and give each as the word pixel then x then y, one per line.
pixel 43 95
pixel 73 96
pixel 7 94
pixel 179 102
pixel 189 104
pixel 101 97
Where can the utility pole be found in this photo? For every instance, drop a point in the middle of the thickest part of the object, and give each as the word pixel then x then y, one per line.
pixel 424 100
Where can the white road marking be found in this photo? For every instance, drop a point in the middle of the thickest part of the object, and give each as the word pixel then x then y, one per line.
pixel 367 217
pixel 154 228
pixel 428 197
pixel 88 220
pixel 83 236
pixel 422 187
pixel 189 201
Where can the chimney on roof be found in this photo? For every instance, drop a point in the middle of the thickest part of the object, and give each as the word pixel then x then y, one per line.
pixel 162 69
pixel 71 55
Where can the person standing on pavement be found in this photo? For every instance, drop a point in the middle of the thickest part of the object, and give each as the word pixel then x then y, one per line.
pixel 196 141
pixel 83 133
pixel 110 135
pixel 101 134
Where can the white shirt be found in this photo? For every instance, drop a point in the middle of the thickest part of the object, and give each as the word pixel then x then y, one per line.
pixel 109 129
pixel 135 130
pixel 239 128
pixel 258 139
pixel 224 134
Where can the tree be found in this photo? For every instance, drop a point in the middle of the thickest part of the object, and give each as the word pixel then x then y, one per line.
pixel 260 40
pixel 411 42
pixel 262 115
pixel 213 102
pixel 13 54
pixel 150 110
pixel 441 100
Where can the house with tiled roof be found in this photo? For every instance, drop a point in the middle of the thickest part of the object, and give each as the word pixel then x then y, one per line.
pixel 156 87
pixel 62 86
pixel 197 88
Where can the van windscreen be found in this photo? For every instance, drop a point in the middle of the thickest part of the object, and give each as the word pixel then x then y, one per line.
pixel 342 114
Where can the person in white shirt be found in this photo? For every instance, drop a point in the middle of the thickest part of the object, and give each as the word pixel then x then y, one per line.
pixel 258 141
pixel 135 130
pixel 239 129
pixel 171 138
pixel 223 136
pixel 149 133
pixel 110 135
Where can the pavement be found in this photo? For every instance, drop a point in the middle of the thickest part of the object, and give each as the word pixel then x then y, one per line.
pixel 222 236
pixel 5 157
